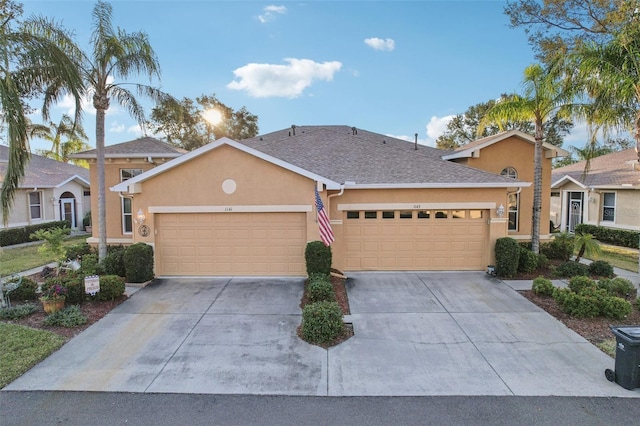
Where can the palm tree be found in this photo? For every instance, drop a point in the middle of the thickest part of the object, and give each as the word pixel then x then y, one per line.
pixel 544 98
pixel 609 74
pixel 587 244
pixel 66 128
pixel 115 55
pixel 36 58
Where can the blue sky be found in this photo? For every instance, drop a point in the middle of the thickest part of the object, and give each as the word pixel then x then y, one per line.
pixel 392 67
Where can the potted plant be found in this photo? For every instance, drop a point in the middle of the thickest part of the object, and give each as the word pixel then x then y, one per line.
pixel 86 222
pixel 53 299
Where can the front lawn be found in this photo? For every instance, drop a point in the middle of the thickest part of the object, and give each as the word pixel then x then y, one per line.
pixel 619 257
pixel 13 260
pixel 21 348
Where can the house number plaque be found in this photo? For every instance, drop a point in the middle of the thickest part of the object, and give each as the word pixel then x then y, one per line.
pixel 144 230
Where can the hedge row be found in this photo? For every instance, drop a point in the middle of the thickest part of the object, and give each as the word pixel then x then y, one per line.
pixel 9 237
pixel 617 237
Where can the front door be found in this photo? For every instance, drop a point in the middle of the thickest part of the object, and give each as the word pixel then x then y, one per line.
pixel 575 210
pixel 68 211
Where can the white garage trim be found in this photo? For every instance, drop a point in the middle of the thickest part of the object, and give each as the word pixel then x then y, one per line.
pixel 233 209
pixel 417 206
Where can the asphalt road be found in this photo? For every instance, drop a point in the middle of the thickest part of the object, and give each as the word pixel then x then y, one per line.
pixel 100 408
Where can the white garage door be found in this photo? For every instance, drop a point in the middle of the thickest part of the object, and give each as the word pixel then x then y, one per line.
pixel 230 244
pixel 416 240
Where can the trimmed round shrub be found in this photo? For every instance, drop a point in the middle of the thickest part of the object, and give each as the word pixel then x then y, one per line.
pixel 571 269
pixel 543 261
pixel 321 322
pixel 138 263
pixel 542 286
pixel 580 282
pixel 26 291
pixel 581 306
pixel 616 308
pixel 90 265
pixel 507 257
pixel 528 261
pixel 318 258
pixel 80 249
pixel 74 283
pixel 560 248
pixel 601 268
pixel 111 288
pixel 319 290
pixel 114 261
pixel 619 287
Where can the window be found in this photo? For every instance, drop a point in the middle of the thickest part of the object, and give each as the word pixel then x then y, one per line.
pixel 406 214
pixel 127 216
pixel 513 211
pixel 609 207
pixel 370 215
pixel 424 214
pixel 35 205
pixel 475 214
pixel 458 214
pixel 353 215
pixel 441 214
pixel 129 173
pixel 388 215
pixel 509 172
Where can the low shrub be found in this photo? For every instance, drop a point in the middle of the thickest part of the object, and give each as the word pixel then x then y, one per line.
pixel 601 268
pixel 616 308
pixel 114 261
pixel 26 291
pixel 111 288
pixel 319 276
pixel 138 263
pixel 9 237
pixel 321 322
pixel 72 282
pixel 543 261
pixel 70 316
pixel 76 250
pixel 580 305
pixel 618 287
pixel 527 261
pixel 560 248
pixel 90 265
pixel 617 237
pixel 579 282
pixel 542 286
pixel 507 257
pixel 318 258
pixel 319 290
pixel 17 312
pixel 571 269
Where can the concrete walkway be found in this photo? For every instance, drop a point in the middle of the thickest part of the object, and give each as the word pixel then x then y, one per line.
pixel 416 334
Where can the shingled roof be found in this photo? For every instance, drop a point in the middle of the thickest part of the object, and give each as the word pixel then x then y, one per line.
pixel 611 170
pixel 346 154
pixel 42 172
pixel 138 148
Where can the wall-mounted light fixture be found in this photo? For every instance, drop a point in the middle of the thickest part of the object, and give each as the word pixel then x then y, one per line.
pixel 140 216
pixel 500 210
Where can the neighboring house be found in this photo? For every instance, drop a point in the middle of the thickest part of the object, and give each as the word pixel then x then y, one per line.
pixel 607 195
pixel 248 208
pixel 50 191
pixel 123 161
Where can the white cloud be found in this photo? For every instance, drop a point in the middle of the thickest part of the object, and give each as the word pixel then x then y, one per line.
pixel 68 104
pixel 116 127
pixel 287 81
pixel 380 44
pixel 436 126
pixel 135 129
pixel 270 13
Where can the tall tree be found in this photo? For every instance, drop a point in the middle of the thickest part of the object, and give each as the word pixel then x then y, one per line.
pixel 36 58
pixel 463 128
pixel 116 55
pixel 564 25
pixel 183 124
pixel 544 96
pixel 75 139
pixel 609 75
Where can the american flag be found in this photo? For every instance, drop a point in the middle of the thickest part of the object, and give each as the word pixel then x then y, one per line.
pixel 326 234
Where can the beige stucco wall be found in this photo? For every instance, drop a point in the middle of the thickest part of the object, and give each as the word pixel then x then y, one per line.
pixel 628 208
pixel 517 153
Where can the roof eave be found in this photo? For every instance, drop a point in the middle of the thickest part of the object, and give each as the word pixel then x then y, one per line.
pixel 433 185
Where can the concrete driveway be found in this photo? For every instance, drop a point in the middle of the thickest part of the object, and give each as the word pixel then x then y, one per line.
pixel 415 334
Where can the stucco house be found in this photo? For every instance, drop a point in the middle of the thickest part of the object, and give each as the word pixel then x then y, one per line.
pixel 248 207
pixel 608 195
pixel 50 191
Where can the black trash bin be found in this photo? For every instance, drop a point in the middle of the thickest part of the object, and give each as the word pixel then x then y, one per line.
pixel 627 372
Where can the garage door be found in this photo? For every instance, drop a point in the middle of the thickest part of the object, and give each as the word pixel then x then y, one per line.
pixel 230 244
pixel 416 240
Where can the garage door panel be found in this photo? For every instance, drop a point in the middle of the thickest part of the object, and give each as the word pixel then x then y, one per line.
pixel 229 244
pixel 416 243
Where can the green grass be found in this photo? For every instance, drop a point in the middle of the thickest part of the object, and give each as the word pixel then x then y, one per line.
pixel 608 346
pixel 20 259
pixel 21 348
pixel 619 257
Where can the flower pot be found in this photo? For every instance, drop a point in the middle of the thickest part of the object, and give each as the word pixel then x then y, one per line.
pixel 51 306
